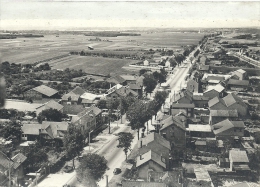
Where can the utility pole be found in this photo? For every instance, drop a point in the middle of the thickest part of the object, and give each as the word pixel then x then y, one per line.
pixel 9 174
pixel 109 105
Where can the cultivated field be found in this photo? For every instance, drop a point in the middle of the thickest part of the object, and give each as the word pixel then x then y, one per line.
pixel 31 50
pixel 93 65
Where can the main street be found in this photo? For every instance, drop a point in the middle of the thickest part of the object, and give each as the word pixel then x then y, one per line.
pixel 109 150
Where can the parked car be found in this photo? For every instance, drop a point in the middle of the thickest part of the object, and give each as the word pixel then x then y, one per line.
pixel 117 171
pixel 68 169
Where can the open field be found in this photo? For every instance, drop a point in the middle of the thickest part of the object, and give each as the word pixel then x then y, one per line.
pixel 95 65
pixel 31 50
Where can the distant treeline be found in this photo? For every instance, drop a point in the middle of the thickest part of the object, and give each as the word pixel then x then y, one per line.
pixel 12 36
pixel 110 34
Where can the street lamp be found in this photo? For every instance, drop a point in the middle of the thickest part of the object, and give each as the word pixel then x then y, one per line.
pixel 89 139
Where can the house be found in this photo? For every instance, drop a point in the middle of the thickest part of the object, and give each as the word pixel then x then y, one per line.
pixel 238 85
pixel 126 183
pixel 73 97
pixel 88 119
pixel 150 161
pixel 72 110
pixel 173 129
pixel 238 160
pixel 204 60
pixel 157 144
pixel 199 131
pixel 169 177
pixel 229 129
pixel 129 79
pixel 214 91
pixel 193 86
pixel 123 91
pixel 137 88
pixel 40 92
pixel 229 102
pixel 48 130
pixel 240 74
pixel 217 116
pixel 50 104
pixel 200 100
pixel 182 97
pixel 146 63
pixel 117 80
pixel 15 165
pixel 214 79
pixel 186 108
pixel 89 99
pixel 203 68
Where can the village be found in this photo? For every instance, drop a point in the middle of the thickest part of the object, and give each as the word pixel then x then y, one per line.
pixel 192 118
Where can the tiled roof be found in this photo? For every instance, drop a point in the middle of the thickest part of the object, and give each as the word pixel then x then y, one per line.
pixel 241 71
pixel 150 155
pixel 45 90
pixel 124 91
pixel 31 129
pixel 71 95
pixel 94 109
pixel 199 128
pixel 129 77
pixel 213 101
pixel 238 156
pixel 135 86
pixel 219 88
pixel 142 184
pixel 72 109
pixel 222 126
pixel 218 78
pixel 155 137
pixel 231 99
pixel 5 162
pixel 224 113
pixel 204 67
pixel 200 98
pixel 78 91
pixel 18 160
pixel 55 129
pixel 238 82
pixel 182 105
pixel 53 104
pixel 176 120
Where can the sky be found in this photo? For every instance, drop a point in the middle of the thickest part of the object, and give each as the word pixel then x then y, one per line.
pixel 53 14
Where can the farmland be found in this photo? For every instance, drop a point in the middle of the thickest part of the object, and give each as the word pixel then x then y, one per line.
pixel 31 50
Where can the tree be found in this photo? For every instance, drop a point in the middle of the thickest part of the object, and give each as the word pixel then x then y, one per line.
pixel 36 156
pixel 50 115
pixel 142 71
pixel 85 178
pixel 160 97
pixel 125 139
pixel 149 83
pixel 12 130
pixel 92 165
pixel 137 115
pixel 73 142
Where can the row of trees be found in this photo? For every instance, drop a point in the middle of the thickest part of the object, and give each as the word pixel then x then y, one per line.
pixel 140 111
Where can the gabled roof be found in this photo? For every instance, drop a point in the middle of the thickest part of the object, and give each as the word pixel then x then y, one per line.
pixel 219 88
pixel 223 113
pixel 5 162
pixel 124 91
pixel 238 82
pixel 231 99
pixel 18 160
pixel 45 90
pixel 182 105
pixel 72 109
pixel 238 156
pixel 241 71
pixel 179 121
pixel 199 98
pixel 155 137
pixel 78 90
pixel 134 86
pixel 52 104
pixel 203 67
pixel 150 155
pixel 213 101
pixel 31 129
pixel 93 109
pixel 142 184
pixel 199 128
pixel 226 125
pixel 129 77
pixel 54 129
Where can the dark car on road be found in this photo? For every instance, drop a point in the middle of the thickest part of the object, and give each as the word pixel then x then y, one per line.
pixel 117 171
pixel 68 169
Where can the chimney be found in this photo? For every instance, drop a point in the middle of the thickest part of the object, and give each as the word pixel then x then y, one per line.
pixel 141 143
pixel 141 157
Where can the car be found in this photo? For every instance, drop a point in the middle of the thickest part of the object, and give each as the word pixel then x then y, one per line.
pixel 68 169
pixel 117 171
